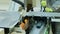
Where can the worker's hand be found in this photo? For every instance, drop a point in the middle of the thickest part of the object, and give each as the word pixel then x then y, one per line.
pixel 26 21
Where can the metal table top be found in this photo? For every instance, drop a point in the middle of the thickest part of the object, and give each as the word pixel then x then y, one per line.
pixel 8 19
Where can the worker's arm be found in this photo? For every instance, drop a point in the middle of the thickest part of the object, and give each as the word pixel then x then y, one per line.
pixel 25 25
pixel 22 25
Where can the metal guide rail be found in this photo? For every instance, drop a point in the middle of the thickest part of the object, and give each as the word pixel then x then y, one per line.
pixel 43 14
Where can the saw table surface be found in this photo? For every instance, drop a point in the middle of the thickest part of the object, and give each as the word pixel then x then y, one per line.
pixel 8 19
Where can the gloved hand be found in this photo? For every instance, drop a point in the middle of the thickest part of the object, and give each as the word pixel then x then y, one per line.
pixel 43 3
pixel 47 9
